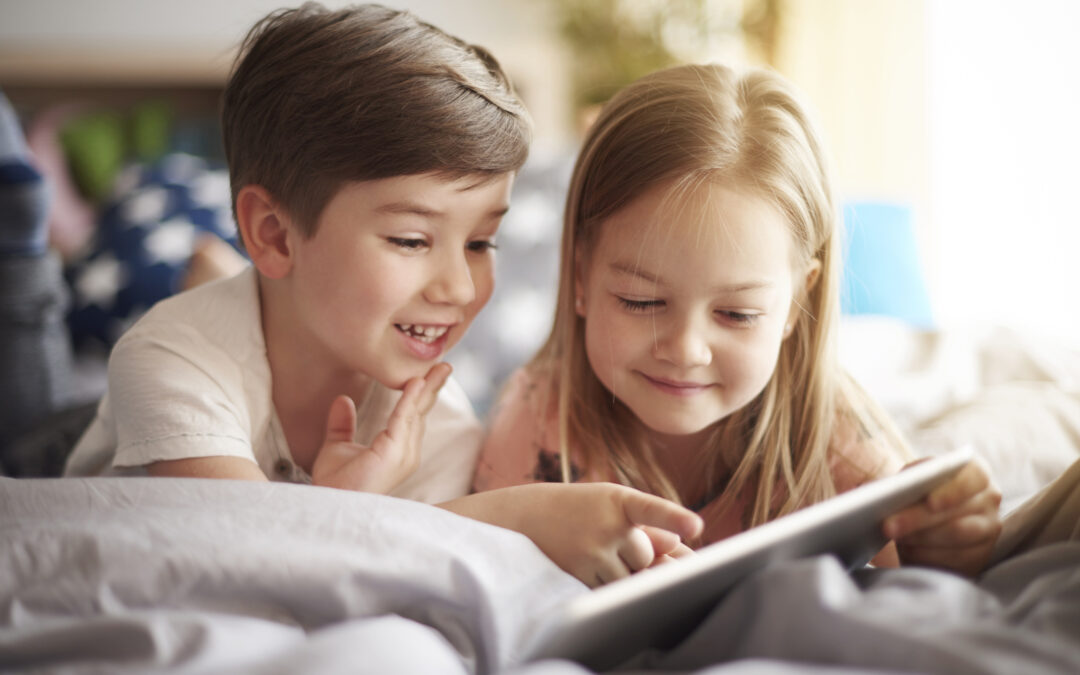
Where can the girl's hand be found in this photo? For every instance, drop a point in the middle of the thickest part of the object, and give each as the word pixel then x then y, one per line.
pixel 395 452
pixel 599 532
pixel 954 527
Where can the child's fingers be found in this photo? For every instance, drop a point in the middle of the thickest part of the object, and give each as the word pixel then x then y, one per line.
pixel 663 541
pixel 959 532
pixel 404 414
pixel 680 551
pixel 433 382
pixel 969 560
pixel 970 480
pixel 641 508
pixel 636 550
pixel 341 421
pixel 921 516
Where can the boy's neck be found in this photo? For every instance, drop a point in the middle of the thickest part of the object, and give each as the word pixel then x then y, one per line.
pixel 304 379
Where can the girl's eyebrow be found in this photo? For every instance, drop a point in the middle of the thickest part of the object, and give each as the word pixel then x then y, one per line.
pixel 634 270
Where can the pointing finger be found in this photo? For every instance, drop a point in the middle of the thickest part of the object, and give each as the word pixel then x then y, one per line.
pixel 641 508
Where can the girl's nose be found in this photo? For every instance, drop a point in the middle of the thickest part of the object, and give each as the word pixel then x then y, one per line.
pixel 452 283
pixel 680 342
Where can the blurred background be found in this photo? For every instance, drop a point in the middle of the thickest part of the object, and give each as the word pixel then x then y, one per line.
pixel 953 127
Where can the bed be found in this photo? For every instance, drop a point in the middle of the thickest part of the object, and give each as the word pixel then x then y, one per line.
pixel 149 575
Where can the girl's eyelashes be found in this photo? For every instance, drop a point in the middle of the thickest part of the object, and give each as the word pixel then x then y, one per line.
pixel 730 316
pixel 638 305
pixel 482 246
pixel 740 318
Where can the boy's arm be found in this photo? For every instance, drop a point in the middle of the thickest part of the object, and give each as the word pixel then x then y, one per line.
pixel 599 532
pixel 236 468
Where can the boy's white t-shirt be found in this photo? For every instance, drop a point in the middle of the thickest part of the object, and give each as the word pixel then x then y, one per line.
pixel 191 379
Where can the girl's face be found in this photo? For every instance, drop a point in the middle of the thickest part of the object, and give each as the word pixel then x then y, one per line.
pixel 685 308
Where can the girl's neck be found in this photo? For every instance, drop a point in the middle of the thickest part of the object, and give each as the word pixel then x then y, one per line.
pixel 687 461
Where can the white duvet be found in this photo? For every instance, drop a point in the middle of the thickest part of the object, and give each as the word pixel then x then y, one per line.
pixel 156 575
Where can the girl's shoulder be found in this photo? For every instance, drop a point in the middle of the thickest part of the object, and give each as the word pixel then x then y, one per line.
pixel 529 390
pixel 522 443
pixel 861 448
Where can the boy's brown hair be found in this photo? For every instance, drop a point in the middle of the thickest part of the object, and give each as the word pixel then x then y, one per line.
pixel 320 97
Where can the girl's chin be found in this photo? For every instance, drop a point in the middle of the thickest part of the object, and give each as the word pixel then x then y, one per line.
pixel 677 428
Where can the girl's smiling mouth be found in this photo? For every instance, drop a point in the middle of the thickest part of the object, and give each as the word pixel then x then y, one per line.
pixel 676 387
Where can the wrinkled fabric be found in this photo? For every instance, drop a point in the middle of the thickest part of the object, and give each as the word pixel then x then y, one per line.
pixel 156 575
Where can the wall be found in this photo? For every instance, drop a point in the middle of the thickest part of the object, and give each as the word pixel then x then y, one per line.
pixel 192 42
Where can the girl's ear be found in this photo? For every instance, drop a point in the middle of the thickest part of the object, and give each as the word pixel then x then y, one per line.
pixel 264 227
pixel 813 273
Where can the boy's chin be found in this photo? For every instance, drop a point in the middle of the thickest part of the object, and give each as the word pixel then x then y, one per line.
pixel 399 379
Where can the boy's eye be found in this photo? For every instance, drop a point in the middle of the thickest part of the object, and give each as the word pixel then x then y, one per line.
pixel 639 305
pixel 407 243
pixel 481 246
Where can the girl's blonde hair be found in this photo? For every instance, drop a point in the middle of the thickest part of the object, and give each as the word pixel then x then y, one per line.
pixel 698 125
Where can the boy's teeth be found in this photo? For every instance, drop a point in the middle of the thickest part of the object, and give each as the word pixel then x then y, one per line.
pixel 426 334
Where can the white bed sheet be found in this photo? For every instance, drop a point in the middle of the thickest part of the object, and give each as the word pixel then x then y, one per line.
pixel 155 575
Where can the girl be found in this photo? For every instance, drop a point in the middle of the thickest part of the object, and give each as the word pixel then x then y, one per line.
pixel 693 353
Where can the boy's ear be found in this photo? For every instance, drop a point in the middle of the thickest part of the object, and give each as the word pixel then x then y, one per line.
pixel 264 227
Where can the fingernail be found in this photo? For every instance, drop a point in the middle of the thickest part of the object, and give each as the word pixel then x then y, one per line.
pixel 891 527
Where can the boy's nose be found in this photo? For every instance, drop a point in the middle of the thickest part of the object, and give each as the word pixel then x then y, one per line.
pixel 453 283
pixel 682 343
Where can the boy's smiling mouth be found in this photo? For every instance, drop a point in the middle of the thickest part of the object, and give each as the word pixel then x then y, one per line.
pixel 425 334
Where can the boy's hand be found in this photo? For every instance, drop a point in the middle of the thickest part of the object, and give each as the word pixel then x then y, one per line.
pixel 954 527
pixel 599 532
pixel 395 452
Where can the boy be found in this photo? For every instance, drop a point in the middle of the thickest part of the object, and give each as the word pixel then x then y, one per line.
pixel 371 158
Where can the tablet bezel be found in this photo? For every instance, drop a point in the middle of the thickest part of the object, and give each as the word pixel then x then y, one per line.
pixel 657 607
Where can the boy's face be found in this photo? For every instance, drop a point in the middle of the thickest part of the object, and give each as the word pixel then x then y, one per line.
pixel 397 270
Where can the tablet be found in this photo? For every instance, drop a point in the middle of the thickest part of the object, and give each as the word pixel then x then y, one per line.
pixel 658 607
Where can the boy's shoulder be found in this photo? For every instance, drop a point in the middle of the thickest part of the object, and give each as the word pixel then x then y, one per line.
pixel 221 312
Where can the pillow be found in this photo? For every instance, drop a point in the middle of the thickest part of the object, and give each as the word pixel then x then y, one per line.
pixel 882 272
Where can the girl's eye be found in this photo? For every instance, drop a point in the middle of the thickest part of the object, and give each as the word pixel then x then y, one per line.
pixel 406 243
pixel 639 305
pixel 481 246
pixel 738 317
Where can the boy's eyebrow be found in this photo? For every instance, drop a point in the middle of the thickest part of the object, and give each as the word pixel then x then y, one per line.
pixel 418 209
pixel 634 270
